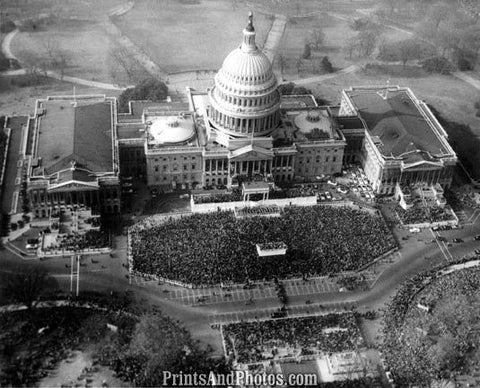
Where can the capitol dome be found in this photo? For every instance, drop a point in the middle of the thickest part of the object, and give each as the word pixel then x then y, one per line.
pixel 245 100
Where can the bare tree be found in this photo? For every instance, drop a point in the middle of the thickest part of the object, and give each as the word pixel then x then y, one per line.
pixel 317 38
pixel 58 57
pixel 26 288
pixel 125 61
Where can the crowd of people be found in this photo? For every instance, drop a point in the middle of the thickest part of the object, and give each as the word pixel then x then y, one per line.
pixel 421 215
pixel 234 196
pixel 431 325
pixel 91 239
pixel 214 248
pixel 257 341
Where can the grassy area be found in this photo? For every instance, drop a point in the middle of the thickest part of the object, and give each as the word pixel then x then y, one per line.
pixel 88 50
pixel 88 9
pixel 183 36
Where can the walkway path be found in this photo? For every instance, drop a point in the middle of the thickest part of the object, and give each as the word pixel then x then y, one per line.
pixel 464 76
pixel 320 78
pixel 6 44
pixel 275 37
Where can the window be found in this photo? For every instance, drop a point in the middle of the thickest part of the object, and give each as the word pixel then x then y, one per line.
pixel 334 159
pixel 185 167
pixel 326 159
pixel 194 166
pixel 156 168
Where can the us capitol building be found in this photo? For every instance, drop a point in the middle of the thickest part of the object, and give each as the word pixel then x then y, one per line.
pixel 240 130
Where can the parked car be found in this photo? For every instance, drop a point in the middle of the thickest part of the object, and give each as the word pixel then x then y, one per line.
pixel 32 243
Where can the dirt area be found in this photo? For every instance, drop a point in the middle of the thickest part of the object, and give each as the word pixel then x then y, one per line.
pixel 78 370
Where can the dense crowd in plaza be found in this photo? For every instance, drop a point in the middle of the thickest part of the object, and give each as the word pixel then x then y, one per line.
pixel 257 341
pixel 413 349
pixel 91 239
pixel 422 215
pixel 214 248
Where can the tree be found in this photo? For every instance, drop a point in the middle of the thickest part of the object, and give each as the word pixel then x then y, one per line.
pixel 307 51
pixel 437 65
pixel 409 49
pixel 281 63
pixel 27 287
pixel 326 65
pixel 317 38
pixel 367 41
pixel 58 57
pixel 350 47
pixel 149 89
pixel 437 13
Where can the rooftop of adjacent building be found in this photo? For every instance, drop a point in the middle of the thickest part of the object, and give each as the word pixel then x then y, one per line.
pixel 165 129
pixel 74 129
pixel 398 122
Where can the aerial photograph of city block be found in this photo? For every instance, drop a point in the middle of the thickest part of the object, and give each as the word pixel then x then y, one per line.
pixel 240 193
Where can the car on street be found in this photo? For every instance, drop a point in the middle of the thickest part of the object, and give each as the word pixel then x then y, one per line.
pixel 477 237
pixel 457 240
pixel 477 251
pixel 32 243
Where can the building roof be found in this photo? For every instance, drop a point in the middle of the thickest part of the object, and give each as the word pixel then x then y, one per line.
pixel 171 129
pixel 296 101
pixel 397 123
pixel 349 122
pixel 78 132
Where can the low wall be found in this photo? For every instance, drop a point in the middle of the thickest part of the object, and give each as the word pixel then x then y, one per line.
pixel 215 206
pixel 89 251
pixel 4 165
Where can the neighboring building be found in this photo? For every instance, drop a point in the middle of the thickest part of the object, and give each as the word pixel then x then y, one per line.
pixel 74 158
pixel 404 144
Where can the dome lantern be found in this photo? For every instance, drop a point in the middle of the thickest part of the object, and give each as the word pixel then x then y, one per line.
pixel 249 35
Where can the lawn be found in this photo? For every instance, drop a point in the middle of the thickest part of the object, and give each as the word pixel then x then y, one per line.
pixel 87 47
pixel 183 35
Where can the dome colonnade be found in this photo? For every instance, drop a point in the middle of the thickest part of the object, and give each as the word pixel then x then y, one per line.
pixel 245 101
